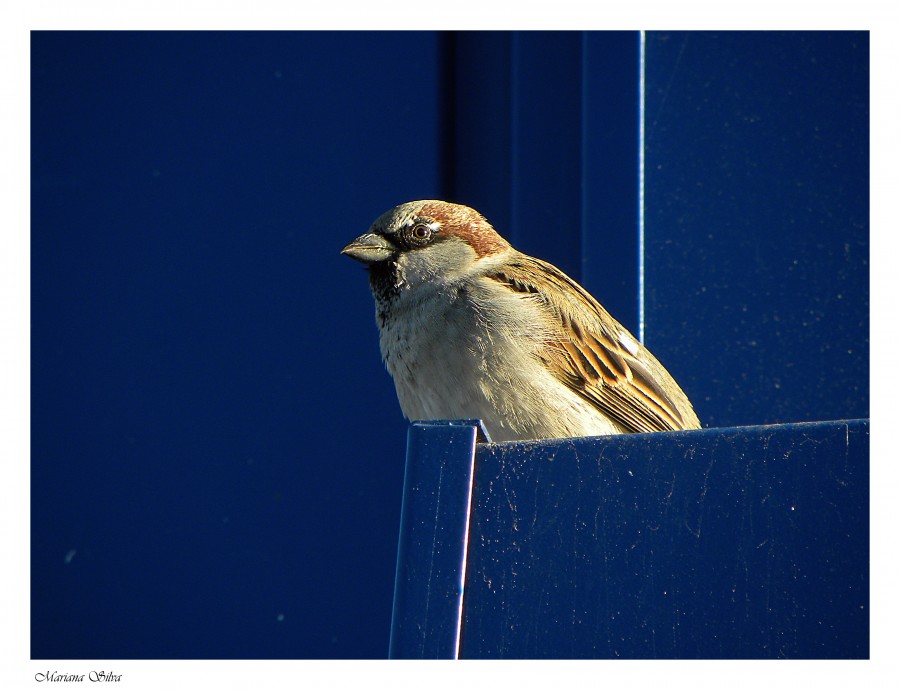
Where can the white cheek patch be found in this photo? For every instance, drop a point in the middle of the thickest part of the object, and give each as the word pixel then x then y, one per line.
pixel 629 343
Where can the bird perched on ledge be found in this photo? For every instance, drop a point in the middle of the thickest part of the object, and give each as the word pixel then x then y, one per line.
pixel 471 328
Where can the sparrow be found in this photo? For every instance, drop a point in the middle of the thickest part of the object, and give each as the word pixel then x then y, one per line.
pixel 471 328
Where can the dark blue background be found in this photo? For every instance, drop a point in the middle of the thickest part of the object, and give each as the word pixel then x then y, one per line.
pixel 212 430
pixel 217 453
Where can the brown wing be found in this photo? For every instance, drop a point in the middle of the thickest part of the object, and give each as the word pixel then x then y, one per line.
pixel 588 355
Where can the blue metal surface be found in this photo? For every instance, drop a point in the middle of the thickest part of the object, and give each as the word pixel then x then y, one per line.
pixel 757 222
pixel 545 122
pixel 477 137
pixel 434 523
pixel 723 543
pixel 609 172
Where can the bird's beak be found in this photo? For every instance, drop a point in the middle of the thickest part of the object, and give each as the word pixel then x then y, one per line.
pixel 370 248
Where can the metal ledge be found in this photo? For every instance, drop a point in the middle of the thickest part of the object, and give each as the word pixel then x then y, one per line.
pixel 748 542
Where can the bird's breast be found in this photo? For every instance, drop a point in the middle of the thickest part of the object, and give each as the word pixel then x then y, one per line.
pixel 433 349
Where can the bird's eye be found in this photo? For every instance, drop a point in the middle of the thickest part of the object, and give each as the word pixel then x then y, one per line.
pixel 420 234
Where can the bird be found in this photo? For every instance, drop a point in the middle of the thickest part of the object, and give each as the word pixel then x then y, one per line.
pixel 469 327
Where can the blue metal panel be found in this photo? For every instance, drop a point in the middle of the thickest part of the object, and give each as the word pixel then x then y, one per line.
pixel 477 138
pixel 609 171
pixel 757 225
pixel 434 523
pixel 545 160
pixel 722 543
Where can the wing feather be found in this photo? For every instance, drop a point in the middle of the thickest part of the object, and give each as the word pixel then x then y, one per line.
pixel 585 351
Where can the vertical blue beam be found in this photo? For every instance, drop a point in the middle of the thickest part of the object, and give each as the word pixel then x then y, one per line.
pixel 545 160
pixel 476 128
pixel 541 135
pixel 610 149
pixel 642 131
pixel 434 523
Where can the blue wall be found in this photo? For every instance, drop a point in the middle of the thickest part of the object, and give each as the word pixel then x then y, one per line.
pixel 757 229
pixel 213 435
pixel 217 453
